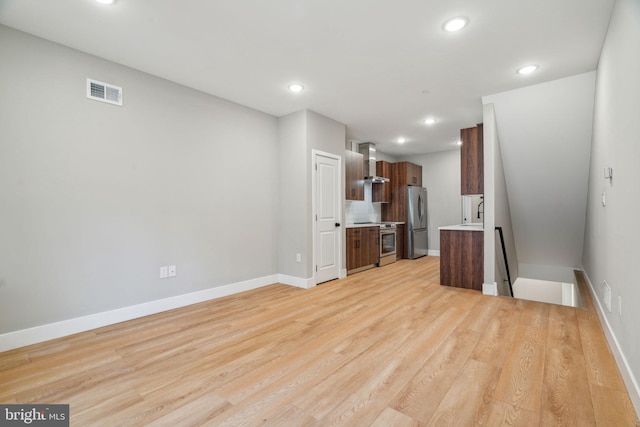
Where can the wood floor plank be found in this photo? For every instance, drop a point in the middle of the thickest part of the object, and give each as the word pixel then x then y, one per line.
pixel 43 372
pixel 566 395
pixel 520 383
pixel 534 314
pixel 195 412
pixel 504 414
pixel 358 371
pixel 612 407
pixel 497 338
pixel 160 404
pixel 468 401
pixel 585 296
pixel 108 407
pixel 391 417
pixel 388 346
pixel 423 393
pixel 330 340
pixel 483 314
pixel 383 384
pixel 600 364
pixel 291 416
pixel 14 360
pixel 309 368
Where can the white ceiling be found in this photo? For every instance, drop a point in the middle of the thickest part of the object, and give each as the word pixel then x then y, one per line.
pixel 380 67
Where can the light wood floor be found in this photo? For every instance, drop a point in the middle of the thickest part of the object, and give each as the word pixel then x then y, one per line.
pixel 386 347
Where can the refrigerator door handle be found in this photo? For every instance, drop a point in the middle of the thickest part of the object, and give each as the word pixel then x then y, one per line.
pixel 420 210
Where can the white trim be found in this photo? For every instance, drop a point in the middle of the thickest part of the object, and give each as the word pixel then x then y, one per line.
pixel 625 370
pixel 314 154
pixel 490 289
pixel 433 252
pixel 298 282
pixel 343 273
pixel 63 328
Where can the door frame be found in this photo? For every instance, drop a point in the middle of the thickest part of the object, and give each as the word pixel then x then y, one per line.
pixel 339 195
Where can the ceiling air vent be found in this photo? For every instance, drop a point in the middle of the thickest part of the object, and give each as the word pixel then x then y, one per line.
pixel 104 92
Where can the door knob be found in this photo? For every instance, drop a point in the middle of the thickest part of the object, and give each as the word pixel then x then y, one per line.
pixel 337 224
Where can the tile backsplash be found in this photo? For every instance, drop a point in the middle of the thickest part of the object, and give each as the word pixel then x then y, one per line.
pixel 363 211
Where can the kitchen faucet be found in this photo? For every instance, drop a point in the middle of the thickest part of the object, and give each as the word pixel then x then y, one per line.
pixel 480 204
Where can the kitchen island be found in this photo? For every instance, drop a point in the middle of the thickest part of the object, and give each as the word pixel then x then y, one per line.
pixel 462 256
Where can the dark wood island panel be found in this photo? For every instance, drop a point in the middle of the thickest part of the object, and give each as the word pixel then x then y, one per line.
pixel 462 259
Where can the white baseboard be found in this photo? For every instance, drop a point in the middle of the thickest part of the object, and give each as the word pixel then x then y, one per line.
pixel 490 289
pixel 433 252
pixel 63 328
pixel 298 282
pixel 623 365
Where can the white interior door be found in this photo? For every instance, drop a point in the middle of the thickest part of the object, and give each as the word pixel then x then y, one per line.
pixel 328 214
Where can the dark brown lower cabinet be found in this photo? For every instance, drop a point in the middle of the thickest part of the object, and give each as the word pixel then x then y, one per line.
pixel 462 259
pixel 362 248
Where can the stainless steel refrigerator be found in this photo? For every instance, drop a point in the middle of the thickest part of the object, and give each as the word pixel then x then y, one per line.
pixel 417 222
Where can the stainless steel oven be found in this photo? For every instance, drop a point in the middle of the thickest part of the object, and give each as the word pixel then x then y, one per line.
pixel 387 244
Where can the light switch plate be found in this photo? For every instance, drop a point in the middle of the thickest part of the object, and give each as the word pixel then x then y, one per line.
pixel 172 271
pixel 164 272
pixel 619 305
pixel 607 296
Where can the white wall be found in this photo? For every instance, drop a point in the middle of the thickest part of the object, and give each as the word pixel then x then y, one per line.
pixel 300 133
pixel 497 211
pixel 329 136
pixel 386 157
pixel 292 191
pixel 611 248
pixel 545 137
pixel 490 139
pixel 441 178
pixel 94 198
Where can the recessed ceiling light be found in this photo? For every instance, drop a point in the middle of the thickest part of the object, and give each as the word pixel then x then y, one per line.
pixel 296 87
pixel 401 140
pixel 430 121
pixel 527 69
pixel 455 24
pixel 105 1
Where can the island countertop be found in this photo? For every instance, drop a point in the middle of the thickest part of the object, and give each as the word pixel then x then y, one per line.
pixel 463 227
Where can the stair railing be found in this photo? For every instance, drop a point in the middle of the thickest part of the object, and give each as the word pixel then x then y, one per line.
pixel 504 255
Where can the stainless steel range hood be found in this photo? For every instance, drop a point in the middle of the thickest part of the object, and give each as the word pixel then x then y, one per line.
pixel 368 150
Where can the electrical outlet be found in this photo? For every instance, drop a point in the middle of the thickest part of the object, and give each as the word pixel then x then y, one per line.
pixel 164 272
pixel 604 199
pixel 172 271
pixel 607 296
pixel 298 257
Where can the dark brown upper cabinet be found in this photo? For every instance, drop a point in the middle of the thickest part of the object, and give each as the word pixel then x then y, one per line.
pixel 381 191
pixel 407 173
pixel 354 176
pixel 471 161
